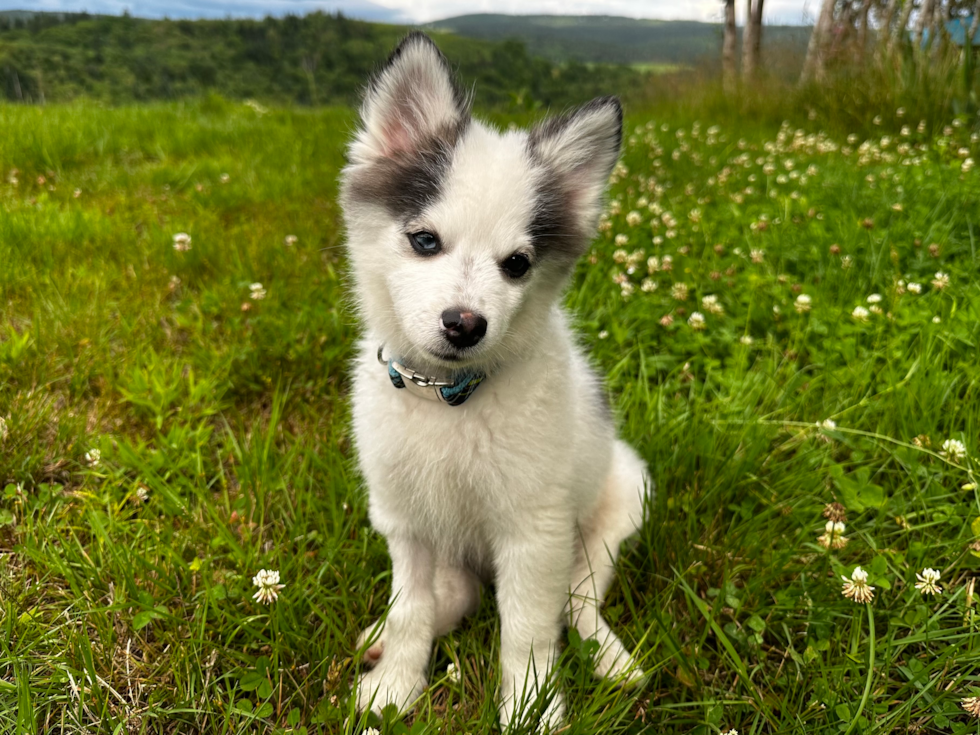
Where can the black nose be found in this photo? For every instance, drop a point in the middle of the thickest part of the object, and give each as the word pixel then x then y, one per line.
pixel 463 328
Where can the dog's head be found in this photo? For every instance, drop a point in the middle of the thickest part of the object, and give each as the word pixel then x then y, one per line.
pixel 461 237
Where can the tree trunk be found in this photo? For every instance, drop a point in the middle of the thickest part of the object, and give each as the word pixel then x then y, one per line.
pixel 748 68
pixel 886 31
pixel 728 49
pixel 862 41
pixel 903 23
pixel 813 66
pixel 925 16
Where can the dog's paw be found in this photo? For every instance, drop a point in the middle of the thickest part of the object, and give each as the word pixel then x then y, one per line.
pixel 519 713
pixel 384 686
pixel 615 663
pixel 372 654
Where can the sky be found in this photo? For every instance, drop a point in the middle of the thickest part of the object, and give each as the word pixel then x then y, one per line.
pixel 421 11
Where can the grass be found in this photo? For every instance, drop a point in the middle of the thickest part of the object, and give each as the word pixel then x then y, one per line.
pixel 221 421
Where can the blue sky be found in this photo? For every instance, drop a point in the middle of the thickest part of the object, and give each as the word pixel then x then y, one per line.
pixel 409 11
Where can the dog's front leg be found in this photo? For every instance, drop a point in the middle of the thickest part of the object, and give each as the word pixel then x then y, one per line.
pixel 532 589
pixel 408 631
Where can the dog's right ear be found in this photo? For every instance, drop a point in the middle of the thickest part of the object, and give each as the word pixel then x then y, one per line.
pixel 412 100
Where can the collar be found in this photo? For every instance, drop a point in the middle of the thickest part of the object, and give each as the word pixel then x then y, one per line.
pixel 455 392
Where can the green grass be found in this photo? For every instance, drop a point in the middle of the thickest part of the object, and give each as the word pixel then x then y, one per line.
pixel 121 614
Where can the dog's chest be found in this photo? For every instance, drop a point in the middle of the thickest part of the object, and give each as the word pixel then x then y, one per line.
pixel 456 474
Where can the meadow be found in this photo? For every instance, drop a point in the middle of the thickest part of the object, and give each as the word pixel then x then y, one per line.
pixel 788 317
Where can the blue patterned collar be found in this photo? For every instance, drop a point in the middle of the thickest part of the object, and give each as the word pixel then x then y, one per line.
pixel 454 393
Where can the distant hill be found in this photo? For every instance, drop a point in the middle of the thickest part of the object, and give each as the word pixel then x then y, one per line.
pixel 610 39
pixel 312 59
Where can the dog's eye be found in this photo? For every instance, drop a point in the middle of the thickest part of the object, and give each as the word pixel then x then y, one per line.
pixel 516 265
pixel 425 243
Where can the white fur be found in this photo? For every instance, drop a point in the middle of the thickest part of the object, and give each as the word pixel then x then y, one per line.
pixel 525 483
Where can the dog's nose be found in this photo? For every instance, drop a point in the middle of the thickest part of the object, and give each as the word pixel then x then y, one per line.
pixel 463 328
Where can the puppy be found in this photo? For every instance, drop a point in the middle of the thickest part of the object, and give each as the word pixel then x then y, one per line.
pixel 483 434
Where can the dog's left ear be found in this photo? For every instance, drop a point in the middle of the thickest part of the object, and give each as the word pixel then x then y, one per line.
pixel 580 150
pixel 411 101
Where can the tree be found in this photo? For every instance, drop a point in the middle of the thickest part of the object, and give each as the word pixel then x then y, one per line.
pixel 728 49
pixel 814 67
pixel 752 39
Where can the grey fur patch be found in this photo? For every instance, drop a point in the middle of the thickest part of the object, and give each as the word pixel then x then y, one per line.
pixel 552 229
pixel 408 183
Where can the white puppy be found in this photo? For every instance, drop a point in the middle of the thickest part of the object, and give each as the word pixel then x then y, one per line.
pixel 484 436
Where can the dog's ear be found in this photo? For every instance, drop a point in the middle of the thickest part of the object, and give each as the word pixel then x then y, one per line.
pixel 580 150
pixel 413 99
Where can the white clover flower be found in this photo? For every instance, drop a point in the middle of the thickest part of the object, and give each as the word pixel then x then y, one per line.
pixel 667 264
pixel 290 240
pixel 874 298
pixel 648 285
pixel 936 319
pixel 833 536
pixel 757 255
pixel 653 264
pixel 4 431
pixel 711 304
pixel 679 291
pixel 746 339
pixel 971 705
pixel 256 291
pixel 452 671
pixel 143 493
pixel 846 262
pixel 267 581
pixel 604 334
pixel 941 280
pixel 915 288
pixel 93 457
pixel 733 731
pixel 828 424
pixel 860 313
pixel 224 178
pixel 928 583
pixel 620 255
pixel 621 239
pixel 802 303
pixel 634 218
pixel 697 321
pixel 182 242
pixel 371 731
pixel 967 166
pixel 953 449
pixel 857 588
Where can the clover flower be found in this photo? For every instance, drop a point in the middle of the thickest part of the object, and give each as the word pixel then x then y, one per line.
pixel 915 288
pixel 757 256
pixel 954 450
pixel 634 218
pixel 835 512
pixel 928 583
pixel 746 339
pixel 711 304
pixel 93 457
pixel 267 581
pixel 874 298
pixel 290 240
pixel 256 291
pixel 452 671
pixel 802 303
pixel 679 291
pixel 4 431
pixel 860 313
pixel 971 705
pixel 182 242
pixel 857 588
pixel 941 280
pixel 833 536
pixel 697 321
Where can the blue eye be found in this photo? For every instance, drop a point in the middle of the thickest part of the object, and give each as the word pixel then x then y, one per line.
pixel 425 243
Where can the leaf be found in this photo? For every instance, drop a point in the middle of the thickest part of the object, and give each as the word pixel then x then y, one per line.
pixel 975 526
pixel 857 492
pixel 144 618
pixel 756 623
pixel 843 712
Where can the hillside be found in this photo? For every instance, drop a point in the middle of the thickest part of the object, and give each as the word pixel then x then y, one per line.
pixel 313 59
pixel 610 39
